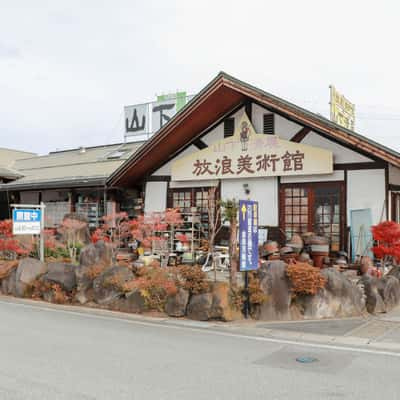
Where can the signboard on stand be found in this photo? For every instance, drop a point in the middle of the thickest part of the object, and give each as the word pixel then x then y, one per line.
pixel 26 221
pixel 248 235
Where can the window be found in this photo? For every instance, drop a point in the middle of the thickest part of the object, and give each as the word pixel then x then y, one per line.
pixel 396 207
pixel 313 207
pixel 185 199
pixel 269 124
pixel 229 127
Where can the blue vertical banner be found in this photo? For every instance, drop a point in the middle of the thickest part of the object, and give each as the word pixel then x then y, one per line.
pixel 248 235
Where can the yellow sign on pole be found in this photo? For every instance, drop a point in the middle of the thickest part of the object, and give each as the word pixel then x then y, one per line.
pixel 342 110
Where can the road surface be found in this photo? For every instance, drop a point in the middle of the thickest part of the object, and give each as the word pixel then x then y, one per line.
pixel 48 353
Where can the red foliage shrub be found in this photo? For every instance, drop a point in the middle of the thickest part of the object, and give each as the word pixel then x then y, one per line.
pixel 144 227
pixel 305 279
pixel 191 278
pixel 387 234
pixel 10 246
pixel 155 285
pixel 256 294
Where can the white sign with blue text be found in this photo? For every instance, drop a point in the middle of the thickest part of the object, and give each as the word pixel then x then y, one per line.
pixel 26 221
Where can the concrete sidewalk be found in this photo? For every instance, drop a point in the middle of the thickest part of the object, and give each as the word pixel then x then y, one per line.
pixel 381 331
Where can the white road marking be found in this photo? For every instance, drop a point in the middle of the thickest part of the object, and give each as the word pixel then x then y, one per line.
pixel 209 331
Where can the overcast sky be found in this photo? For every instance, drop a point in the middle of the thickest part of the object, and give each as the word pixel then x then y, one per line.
pixel 67 68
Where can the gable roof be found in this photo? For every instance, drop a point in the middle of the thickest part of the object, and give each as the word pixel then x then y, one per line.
pixel 223 94
pixel 77 167
pixel 8 157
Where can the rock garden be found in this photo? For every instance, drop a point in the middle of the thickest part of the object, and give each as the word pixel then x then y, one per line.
pixel 88 269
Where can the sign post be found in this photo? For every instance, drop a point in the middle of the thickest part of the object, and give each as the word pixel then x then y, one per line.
pixel 28 219
pixel 248 243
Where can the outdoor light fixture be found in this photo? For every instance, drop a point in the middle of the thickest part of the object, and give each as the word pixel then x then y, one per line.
pixel 246 188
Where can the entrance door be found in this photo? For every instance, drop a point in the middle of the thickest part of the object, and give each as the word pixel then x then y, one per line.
pixel 313 207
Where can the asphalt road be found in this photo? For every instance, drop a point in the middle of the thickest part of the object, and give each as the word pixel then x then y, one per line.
pixel 55 354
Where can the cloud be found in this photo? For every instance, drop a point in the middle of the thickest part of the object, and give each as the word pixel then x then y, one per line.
pixel 9 52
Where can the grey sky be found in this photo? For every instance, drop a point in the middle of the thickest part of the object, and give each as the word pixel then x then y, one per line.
pixel 67 68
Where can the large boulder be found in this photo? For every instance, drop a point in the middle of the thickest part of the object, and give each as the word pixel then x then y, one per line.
pixel 176 304
pixel 339 298
pixel 276 287
pixel 108 285
pixel 28 270
pixel 222 307
pixel 389 290
pixel 132 302
pixel 81 228
pixel 9 284
pixel 374 301
pixel 199 307
pixel 93 256
pixel 61 273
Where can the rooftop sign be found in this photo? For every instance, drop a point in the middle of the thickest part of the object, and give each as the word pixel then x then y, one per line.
pixel 148 118
pixel 342 111
pixel 247 154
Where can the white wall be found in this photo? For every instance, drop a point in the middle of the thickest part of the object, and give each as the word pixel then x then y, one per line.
pixel 394 175
pixel 336 176
pixel 366 189
pixel 166 168
pixel 192 184
pixel 263 190
pixel 341 154
pixel 155 196
pixel 283 127
pixel 218 132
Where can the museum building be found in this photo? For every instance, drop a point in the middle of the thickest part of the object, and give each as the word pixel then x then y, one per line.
pixel 307 173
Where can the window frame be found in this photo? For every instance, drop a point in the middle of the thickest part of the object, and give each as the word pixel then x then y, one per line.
pixel 311 186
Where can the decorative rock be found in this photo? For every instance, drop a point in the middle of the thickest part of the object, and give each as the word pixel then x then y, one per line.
pixel 176 304
pixel 63 274
pixel 221 307
pixel 340 298
pixel 94 254
pixel 275 284
pixel 29 269
pixel 98 254
pixel 84 296
pixel 374 301
pixel 199 307
pixel 389 290
pixel 9 284
pixel 105 289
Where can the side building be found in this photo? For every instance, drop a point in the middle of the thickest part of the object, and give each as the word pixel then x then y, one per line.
pixel 72 181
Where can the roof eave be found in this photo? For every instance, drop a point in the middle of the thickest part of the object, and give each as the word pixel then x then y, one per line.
pixel 60 184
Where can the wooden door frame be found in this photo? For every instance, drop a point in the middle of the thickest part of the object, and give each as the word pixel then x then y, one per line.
pixel 312 185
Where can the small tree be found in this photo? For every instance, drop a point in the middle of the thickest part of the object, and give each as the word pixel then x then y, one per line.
pixel 214 223
pixel 230 214
pixel 144 228
pixel 115 229
pixel 70 229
